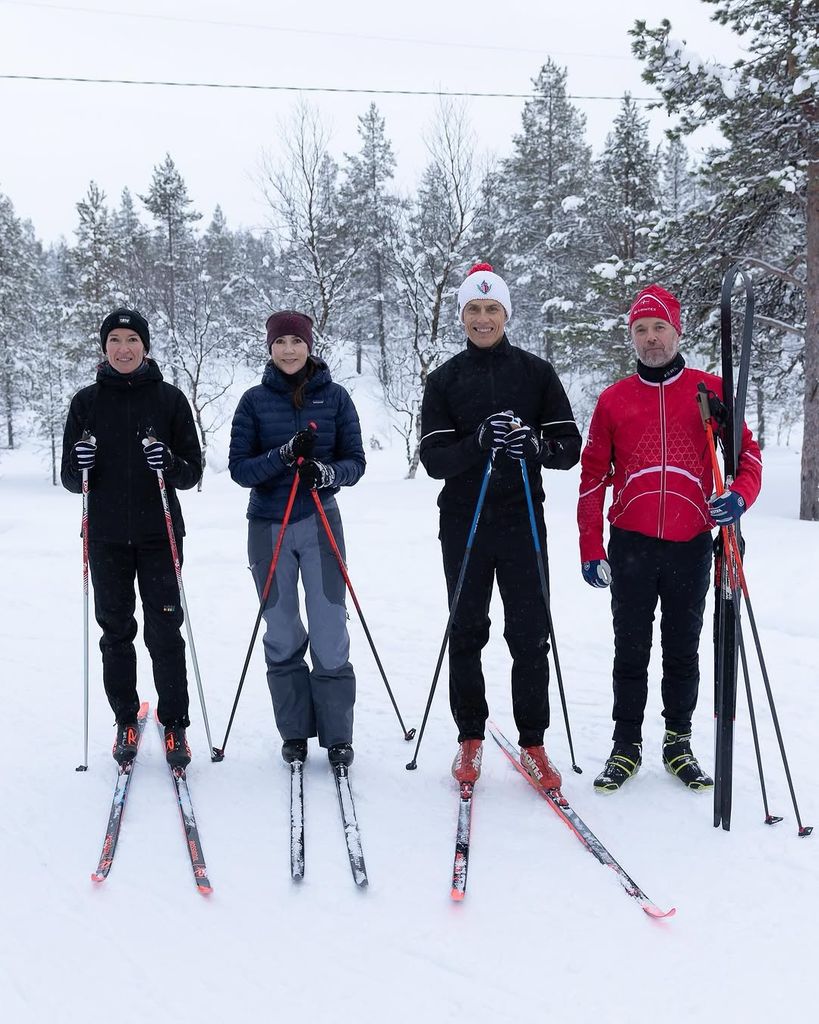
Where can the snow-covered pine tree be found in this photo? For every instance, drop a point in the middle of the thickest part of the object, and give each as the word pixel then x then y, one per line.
pixel 767 107
pixel 540 241
pixel 92 265
pixel 132 255
pixel 370 211
pixel 168 201
pixel 625 197
pixel 20 256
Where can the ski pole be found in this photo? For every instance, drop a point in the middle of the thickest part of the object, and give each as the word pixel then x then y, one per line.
pixel 544 587
pixel 739 582
pixel 328 530
pixel 83 766
pixel 160 476
pixel 413 764
pixel 219 752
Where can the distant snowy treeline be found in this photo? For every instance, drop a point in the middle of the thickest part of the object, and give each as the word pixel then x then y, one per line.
pixel 574 234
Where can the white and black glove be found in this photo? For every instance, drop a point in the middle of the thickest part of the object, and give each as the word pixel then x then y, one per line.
pixel 492 431
pixel 300 446
pixel 157 455
pixel 597 572
pixel 85 452
pixel 316 475
pixel 522 443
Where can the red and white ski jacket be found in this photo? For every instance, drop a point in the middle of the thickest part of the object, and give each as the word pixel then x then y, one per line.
pixel 646 441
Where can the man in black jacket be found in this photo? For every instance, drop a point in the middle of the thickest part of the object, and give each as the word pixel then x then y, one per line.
pixel 496 400
pixel 127 535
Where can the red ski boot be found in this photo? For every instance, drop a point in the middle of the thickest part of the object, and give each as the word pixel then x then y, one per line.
pixel 467 764
pixel 536 762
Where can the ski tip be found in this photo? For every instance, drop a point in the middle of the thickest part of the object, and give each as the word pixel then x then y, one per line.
pixel 206 890
pixel 97 878
pixel 656 913
pixel 457 895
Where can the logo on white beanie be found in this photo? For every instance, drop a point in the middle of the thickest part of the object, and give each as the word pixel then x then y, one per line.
pixel 479 282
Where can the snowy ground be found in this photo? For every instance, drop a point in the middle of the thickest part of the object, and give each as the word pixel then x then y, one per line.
pixel 544 931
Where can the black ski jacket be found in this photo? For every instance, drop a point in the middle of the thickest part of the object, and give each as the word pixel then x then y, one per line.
pixel 471 386
pixel 124 503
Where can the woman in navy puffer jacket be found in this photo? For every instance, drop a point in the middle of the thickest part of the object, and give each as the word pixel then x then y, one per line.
pixel 271 432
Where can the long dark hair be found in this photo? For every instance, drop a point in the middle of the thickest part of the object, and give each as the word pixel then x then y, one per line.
pixel 310 368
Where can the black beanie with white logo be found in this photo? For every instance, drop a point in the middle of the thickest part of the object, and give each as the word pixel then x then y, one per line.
pixel 130 319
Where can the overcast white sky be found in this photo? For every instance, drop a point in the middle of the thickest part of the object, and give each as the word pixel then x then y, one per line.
pixel 55 137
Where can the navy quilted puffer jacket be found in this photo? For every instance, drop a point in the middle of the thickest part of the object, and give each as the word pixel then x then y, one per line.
pixel 266 418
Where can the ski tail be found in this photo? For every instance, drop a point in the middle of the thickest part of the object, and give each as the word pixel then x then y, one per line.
pixel 115 816
pixel 189 825
pixel 297 820
pixel 462 836
pixel 352 834
pixel 560 805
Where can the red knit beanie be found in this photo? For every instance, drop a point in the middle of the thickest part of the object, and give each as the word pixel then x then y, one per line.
pixel 657 302
pixel 288 321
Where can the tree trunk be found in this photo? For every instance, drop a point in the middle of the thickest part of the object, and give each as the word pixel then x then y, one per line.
pixel 809 498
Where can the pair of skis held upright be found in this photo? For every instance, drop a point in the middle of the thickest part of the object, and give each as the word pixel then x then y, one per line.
pixel 200 872
pixel 560 805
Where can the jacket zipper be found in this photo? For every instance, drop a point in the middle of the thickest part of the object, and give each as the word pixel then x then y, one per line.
pixel 663 463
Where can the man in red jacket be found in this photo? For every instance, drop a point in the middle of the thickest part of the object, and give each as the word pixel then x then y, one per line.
pixel 646 441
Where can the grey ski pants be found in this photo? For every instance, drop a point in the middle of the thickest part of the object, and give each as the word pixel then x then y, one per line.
pixel 306 702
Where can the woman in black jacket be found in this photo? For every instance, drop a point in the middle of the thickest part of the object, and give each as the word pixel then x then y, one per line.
pixel 271 433
pixel 127 536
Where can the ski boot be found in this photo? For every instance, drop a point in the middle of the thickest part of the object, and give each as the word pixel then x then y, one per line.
pixel 177 751
pixel 125 743
pixel 536 762
pixel 623 762
pixel 679 760
pixel 294 750
pixel 467 764
pixel 340 753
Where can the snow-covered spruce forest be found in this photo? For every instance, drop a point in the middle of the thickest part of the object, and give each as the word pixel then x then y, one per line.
pixel 575 233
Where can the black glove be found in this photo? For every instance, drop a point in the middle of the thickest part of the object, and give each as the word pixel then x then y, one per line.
pixel 85 453
pixel 316 474
pixel 491 433
pixel 300 446
pixel 157 455
pixel 521 443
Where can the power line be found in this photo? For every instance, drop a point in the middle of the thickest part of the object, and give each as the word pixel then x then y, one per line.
pixel 256 26
pixel 306 88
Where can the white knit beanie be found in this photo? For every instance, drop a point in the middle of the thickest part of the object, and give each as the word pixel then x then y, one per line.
pixel 482 283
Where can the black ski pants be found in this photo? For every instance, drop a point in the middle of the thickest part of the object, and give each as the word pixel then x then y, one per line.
pixel 643 571
pixel 113 570
pixel 502 548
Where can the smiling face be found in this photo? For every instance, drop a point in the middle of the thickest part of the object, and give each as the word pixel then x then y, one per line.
pixel 125 350
pixel 655 341
pixel 289 353
pixel 484 321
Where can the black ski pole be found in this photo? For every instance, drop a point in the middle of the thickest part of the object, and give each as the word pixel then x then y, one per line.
pixel 804 830
pixel 336 551
pixel 219 752
pixel 413 764
pixel 544 587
